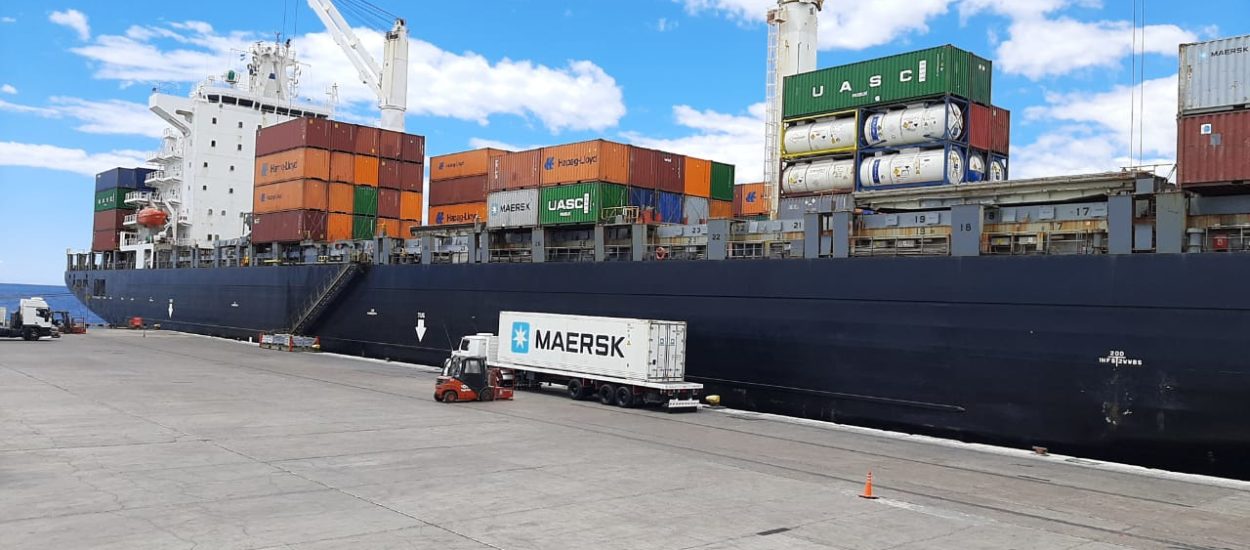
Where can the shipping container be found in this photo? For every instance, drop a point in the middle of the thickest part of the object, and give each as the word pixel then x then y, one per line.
pixel 388 227
pixel 720 210
pixel 406 228
pixel 837 133
pixel 341 197
pixel 343 137
pixel 111 220
pixel 365 201
pixel 338 227
pixel 945 165
pixel 390 146
pixel 110 199
pixel 413 149
pixel 464 163
pixel 657 170
pixel 650 350
pixel 820 176
pixel 580 202
pixel 343 167
pixel 893 79
pixel 515 208
pixel 1214 149
pixel 697 177
pixel 104 241
pixel 456 214
pixel 410 206
pixel 293 164
pixel 515 171
pixel 750 199
pixel 293 134
pixel 388 203
pixel 1215 75
pixel 587 161
pixel 289 226
pixel 722 181
pixel 412 177
pixel 641 197
pixel 365 169
pixel 290 195
pixel 668 207
pixel 133 179
pixel 695 210
pixel 794 208
pixel 989 128
pixel 363 227
pixel 458 190
pixel 388 174
pixel 366 141
pixel 911 124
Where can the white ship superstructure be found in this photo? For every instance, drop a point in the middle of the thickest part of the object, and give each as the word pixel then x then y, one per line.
pixel 204 175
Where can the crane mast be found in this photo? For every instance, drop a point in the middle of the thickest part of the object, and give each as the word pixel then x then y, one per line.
pixel 390 81
pixel 791 50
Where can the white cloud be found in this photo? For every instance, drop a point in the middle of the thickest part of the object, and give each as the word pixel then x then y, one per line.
pixel 26 109
pixel 482 143
pixel 665 24
pixel 69 160
pixel 112 116
pixel 1034 51
pixel 8 89
pixel 8 20
pixel 73 19
pixel 733 138
pixel 847 25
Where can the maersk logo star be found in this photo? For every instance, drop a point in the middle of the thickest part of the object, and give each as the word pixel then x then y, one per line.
pixel 520 337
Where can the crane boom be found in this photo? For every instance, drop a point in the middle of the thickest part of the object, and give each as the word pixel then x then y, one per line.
pixel 390 82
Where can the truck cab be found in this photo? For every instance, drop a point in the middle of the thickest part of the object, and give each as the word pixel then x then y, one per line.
pixel 31 321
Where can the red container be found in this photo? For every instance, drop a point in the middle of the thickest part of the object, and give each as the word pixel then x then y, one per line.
pixel 343 137
pixel 103 241
pixel 390 144
pixel 1214 150
pixel 388 174
pixel 515 171
pixel 413 149
pixel 110 220
pixel 989 129
pixel 651 169
pixel 289 226
pixel 412 176
pixel 367 140
pixel 300 132
pixel 458 190
pixel 388 203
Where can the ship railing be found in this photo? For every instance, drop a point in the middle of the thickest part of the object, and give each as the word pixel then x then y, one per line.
pixel 570 254
pixel 130 219
pixel 618 253
pixel 671 252
pixel 142 196
pixel 1058 243
pixel 511 255
pixel 131 239
pixel 917 245
pixel 621 215
pixel 1227 239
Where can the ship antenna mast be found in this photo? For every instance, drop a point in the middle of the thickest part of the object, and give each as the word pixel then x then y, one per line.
pixel 390 81
pixel 792 45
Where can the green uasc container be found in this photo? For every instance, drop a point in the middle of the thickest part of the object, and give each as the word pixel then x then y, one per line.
pixel 579 203
pixel 111 199
pixel 722 181
pixel 362 227
pixel 925 73
pixel 365 201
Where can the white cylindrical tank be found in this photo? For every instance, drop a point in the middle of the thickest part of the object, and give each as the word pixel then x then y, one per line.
pixel 976 168
pixel 796 36
pixel 794 178
pixel 998 170
pixel 822 176
pixel 914 125
pixel 821 135
pixel 911 167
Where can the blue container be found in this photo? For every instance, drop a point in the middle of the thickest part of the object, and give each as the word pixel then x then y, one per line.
pixel 642 198
pixel 125 178
pixel 668 206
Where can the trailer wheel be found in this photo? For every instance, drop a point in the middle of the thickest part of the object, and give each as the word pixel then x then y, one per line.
pixel 607 394
pixel 577 390
pixel 450 396
pixel 30 335
pixel 625 397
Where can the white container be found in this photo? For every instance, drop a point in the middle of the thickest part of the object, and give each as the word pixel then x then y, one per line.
pixel 632 349
pixel 828 134
pixel 822 176
pixel 998 169
pixel 694 209
pixel 516 208
pixel 914 125
pixel 935 166
pixel 1215 75
pixel 976 168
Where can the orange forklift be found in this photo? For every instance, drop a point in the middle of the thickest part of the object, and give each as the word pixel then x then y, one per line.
pixel 471 379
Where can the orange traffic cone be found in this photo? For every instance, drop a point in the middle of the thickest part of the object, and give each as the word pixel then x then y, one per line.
pixel 868 487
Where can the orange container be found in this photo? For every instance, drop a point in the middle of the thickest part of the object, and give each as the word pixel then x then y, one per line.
pixel 366 170
pixel 720 210
pixel 406 227
pixel 410 206
pixel 596 160
pixel 388 227
pixel 294 164
pixel 342 197
pixel 698 177
pixel 289 195
pixel 466 163
pixel 455 214
pixel 339 227
pixel 342 167
pixel 750 199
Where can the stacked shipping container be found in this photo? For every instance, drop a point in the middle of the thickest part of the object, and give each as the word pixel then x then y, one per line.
pixel 1213 127
pixel 320 180
pixel 458 184
pixel 111 209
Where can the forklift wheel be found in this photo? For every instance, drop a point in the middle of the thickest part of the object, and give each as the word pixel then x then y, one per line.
pixel 624 397
pixel 607 394
pixel 450 396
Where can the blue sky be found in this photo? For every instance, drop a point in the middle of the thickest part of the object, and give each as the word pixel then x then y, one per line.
pixel 686 75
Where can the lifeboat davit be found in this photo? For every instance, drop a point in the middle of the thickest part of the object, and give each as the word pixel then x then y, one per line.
pixel 152 217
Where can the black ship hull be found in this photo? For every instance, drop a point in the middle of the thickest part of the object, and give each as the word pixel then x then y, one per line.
pixel 1135 358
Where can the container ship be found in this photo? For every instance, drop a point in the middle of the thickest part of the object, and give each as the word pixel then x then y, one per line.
pixel 888 272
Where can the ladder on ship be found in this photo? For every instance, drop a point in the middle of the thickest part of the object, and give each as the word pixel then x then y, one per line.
pixel 326 296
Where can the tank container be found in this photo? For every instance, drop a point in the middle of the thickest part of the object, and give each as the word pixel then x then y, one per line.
pixel 912 168
pixel 915 124
pixel 838 133
pixel 822 176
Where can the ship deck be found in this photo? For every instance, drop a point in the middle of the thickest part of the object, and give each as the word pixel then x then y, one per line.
pixel 123 439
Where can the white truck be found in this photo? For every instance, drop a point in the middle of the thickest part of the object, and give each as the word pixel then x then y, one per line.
pixel 624 362
pixel 31 321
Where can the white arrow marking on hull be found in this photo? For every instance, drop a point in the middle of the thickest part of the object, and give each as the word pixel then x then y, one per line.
pixel 420 327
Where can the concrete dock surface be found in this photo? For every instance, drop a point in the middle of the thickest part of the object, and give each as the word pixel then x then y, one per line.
pixel 130 440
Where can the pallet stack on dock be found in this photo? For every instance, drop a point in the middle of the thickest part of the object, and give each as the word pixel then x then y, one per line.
pixel 111 187
pixel 1213 126
pixel 326 181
